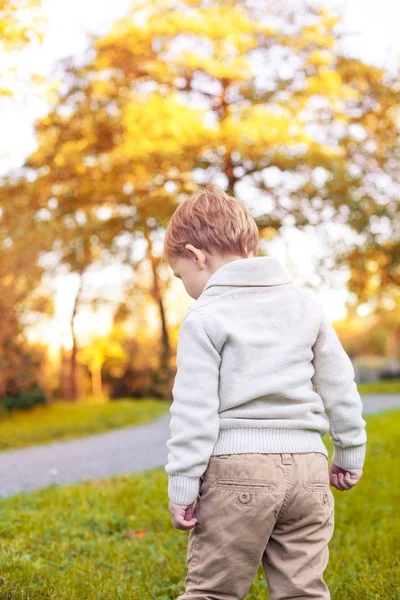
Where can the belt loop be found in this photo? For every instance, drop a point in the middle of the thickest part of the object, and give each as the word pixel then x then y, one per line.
pixel 287 459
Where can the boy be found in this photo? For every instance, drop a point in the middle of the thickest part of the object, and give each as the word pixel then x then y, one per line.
pixel 248 471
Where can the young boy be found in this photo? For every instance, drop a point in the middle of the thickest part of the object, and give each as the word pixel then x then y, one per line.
pixel 248 471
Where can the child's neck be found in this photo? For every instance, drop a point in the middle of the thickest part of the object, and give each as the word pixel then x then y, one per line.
pixel 217 261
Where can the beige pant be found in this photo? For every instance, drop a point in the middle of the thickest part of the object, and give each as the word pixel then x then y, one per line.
pixel 274 509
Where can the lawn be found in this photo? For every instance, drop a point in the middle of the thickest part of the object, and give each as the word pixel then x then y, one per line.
pixel 387 386
pixel 64 420
pixel 112 539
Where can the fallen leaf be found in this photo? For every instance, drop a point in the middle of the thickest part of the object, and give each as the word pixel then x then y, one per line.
pixel 135 534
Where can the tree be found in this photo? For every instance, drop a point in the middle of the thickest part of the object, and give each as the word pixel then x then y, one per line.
pixel 95 355
pixel 22 299
pixel 181 93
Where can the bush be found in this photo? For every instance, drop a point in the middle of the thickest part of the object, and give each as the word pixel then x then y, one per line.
pixel 26 399
pixel 140 383
pixel 389 375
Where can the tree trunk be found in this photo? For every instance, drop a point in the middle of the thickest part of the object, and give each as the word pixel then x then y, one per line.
pixel 165 371
pixel 229 172
pixel 97 384
pixel 73 386
pixel 223 114
pixel 65 379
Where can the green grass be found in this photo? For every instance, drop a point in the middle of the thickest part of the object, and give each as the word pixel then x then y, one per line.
pixel 380 387
pixel 70 543
pixel 64 420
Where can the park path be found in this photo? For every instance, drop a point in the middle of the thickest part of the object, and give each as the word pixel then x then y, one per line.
pixel 126 450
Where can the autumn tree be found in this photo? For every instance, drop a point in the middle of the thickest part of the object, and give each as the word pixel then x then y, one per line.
pixel 255 97
pixel 95 354
pixel 22 298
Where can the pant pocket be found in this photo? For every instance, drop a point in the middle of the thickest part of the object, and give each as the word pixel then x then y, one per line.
pixel 245 485
pixel 316 473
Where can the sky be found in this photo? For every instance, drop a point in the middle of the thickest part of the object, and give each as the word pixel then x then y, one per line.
pixel 374 37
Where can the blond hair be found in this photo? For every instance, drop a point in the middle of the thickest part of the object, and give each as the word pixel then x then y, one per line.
pixel 213 221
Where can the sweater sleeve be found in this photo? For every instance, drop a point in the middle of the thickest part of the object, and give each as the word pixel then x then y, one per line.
pixel 334 381
pixel 194 422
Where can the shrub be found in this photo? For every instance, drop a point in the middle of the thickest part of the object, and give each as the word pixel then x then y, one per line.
pixel 25 399
pixel 390 375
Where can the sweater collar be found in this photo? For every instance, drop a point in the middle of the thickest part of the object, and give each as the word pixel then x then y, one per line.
pixel 255 271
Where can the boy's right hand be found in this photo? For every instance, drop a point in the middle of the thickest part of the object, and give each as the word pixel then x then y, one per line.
pixel 343 480
pixel 182 516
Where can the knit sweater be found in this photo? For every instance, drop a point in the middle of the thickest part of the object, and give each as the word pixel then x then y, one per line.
pixel 260 369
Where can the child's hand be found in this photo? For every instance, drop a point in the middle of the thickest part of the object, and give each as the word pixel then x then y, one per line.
pixel 182 517
pixel 343 480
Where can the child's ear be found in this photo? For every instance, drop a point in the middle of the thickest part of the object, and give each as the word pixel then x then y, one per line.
pixel 191 251
pixel 197 255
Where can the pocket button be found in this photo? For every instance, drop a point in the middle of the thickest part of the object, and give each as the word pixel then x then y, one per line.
pixel 244 497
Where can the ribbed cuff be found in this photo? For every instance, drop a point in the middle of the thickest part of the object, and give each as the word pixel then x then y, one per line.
pixel 350 459
pixel 183 490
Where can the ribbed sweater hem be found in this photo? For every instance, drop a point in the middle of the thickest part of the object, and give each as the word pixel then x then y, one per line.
pixel 268 440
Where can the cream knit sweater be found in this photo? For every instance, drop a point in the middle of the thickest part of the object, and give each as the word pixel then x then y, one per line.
pixel 250 350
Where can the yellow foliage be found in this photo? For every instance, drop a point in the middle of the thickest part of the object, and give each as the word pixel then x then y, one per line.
pixel 320 58
pixel 326 83
pixel 162 126
pixel 14 33
pixel 218 67
pixel 20 24
pixel 261 127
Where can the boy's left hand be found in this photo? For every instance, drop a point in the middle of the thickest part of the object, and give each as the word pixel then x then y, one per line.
pixel 182 517
pixel 343 480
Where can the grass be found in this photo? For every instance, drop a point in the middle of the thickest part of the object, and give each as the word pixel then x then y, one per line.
pixel 64 420
pixel 112 539
pixel 391 386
